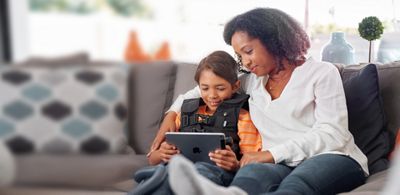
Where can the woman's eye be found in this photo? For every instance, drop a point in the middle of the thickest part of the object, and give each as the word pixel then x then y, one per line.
pixel 249 51
pixel 220 89
pixel 204 89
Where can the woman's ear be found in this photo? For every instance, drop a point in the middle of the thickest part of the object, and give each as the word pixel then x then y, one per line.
pixel 236 86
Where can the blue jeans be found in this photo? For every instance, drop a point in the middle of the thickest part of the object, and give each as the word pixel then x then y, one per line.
pixel 210 171
pixel 323 174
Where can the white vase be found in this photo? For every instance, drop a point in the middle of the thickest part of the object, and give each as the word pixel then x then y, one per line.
pixel 338 50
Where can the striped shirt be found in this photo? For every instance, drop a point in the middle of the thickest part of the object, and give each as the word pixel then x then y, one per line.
pixel 250 139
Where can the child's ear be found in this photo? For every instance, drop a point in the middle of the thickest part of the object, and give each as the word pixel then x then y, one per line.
pixel 236 86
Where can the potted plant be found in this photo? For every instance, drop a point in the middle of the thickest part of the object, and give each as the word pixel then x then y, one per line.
pixel 370 28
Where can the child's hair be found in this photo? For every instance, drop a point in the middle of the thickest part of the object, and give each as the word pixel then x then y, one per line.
pixel 221 64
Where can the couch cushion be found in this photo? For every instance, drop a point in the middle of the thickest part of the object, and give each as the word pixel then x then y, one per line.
pixel 91 172
pixel 373 185
pixel 366 115
pixel 389 84
pixel 184 78
pixel 78 109
pixel 152 91
pixel 18 190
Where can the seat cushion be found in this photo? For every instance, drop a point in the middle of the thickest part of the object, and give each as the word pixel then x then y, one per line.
pixel 367 120
pixel 91 172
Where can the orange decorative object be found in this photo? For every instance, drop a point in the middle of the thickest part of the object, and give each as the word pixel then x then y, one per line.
pixel 134 51
pixel 163 53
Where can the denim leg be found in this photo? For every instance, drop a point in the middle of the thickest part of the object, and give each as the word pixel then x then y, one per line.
pixel 215 173
pixel 210 171
pixel 163 189
pixel 260 177
pixel 323 174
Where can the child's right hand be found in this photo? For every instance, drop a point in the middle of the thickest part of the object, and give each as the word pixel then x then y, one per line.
pixel 167 125
pixel 167 151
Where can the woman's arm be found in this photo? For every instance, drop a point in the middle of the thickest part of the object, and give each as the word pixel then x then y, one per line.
pixel 256 157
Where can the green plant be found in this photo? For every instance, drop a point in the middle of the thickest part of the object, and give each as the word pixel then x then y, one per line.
pixel 128 7
pixel 370 28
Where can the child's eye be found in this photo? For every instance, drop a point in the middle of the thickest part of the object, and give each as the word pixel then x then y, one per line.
pixel 204 89
pixel 220 89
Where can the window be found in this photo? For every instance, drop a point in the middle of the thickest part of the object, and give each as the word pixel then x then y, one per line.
pixel 193 28
pixel 5 51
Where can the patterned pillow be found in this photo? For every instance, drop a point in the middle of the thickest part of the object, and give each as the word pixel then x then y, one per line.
pixel 77 109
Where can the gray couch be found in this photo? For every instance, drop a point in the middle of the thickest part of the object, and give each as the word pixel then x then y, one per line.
pixel 153 87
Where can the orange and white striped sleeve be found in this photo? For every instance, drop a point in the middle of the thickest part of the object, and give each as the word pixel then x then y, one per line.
pixel 250 138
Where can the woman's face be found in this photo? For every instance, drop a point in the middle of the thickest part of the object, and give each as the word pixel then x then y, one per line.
pixel 255 57
pixel 214 89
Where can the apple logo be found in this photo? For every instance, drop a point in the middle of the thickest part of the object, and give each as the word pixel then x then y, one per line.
pixel 196 150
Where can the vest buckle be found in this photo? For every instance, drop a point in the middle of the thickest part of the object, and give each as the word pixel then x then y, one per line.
pixel 185 120
pixel 202 119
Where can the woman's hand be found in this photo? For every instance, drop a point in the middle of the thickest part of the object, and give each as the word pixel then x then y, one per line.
pixel 168 124
pixel 225 159
pixel 167 151
pixel 256 157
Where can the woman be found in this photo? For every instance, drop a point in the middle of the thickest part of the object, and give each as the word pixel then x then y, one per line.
pixel 297 104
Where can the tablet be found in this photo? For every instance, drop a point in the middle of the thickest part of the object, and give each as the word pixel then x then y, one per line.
pixel 196 146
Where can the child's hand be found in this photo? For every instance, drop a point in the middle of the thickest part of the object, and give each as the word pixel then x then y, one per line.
pixel 168 124
pixel 225 159
pixel 167 151
pixel 256 157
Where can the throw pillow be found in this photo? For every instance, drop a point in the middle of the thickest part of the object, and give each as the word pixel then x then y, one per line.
pixel 366 116
pixel 78 109
pixel 58 61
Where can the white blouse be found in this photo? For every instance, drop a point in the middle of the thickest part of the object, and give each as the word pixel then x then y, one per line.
pixel 309 117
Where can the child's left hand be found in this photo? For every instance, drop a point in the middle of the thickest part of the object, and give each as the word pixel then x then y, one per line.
pixel 225 158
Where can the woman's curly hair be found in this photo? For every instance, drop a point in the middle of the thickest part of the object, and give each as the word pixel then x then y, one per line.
pixel 280 34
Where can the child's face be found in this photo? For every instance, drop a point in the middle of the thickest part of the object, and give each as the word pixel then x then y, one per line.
pixel 214 89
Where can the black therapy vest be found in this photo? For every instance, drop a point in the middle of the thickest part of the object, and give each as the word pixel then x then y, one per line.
pixel 224 120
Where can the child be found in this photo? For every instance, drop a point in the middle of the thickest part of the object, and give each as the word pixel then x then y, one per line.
pixel 217 78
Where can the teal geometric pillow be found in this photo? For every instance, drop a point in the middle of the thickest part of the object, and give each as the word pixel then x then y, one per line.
pixel 77 109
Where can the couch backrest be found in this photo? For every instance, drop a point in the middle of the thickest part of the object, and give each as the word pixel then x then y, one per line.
pixel 152 86
pixel 155 86
pixel 389 84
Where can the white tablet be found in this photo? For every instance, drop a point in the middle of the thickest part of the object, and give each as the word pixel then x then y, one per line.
pixel 196 146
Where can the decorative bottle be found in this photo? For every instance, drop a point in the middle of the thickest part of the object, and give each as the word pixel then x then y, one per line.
pixel 338 50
